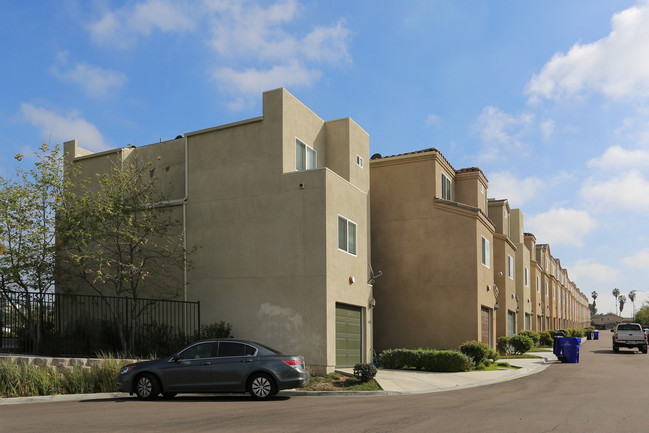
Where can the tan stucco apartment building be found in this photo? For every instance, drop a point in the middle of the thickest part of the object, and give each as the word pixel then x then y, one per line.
pixel 278 207
pixel 456 265
pixel 433 241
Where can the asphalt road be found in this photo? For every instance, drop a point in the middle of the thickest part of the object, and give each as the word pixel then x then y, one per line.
pixel 605 392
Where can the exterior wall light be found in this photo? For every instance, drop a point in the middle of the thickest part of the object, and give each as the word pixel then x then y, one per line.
pixel 496 306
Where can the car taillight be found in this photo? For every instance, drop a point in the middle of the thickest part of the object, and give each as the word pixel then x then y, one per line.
pixel 294 363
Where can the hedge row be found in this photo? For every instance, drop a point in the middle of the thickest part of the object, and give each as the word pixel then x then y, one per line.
pixel 425 360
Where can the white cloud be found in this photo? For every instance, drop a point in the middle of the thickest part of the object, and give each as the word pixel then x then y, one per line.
pixel 501 131
pixel 593 274
pixel 121 27
pixel 253 81
pixel 433 119
pixel 639 260
pixel 561 226
pixel 517 191
pixel 628 191
pixel 261 39
pixel 616 158
pixel 95 81
pixel 547 128
pixel 64 128
pixel 616 65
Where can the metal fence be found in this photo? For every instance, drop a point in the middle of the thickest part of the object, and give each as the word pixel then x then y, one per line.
pixel 84 325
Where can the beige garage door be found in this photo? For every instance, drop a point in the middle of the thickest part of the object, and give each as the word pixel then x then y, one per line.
pixel 348 335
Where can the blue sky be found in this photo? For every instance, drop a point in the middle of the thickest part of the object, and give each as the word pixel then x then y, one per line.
pixel 549 98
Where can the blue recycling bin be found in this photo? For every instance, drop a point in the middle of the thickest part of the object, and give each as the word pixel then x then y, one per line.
pixel 567 349
pixel 596 335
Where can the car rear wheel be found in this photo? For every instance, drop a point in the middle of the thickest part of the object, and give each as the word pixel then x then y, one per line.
pixel 616 348
pixel 147 387
pixel 644 349
pixel 261 386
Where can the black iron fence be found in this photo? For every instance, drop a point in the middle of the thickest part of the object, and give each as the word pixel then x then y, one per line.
pixel 84 325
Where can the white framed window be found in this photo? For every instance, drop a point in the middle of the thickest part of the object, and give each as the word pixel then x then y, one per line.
pixel 547 289
pixel 510 267
pixel 359 161
pixel 486 255
pixel 306 157
pixel 538 284
pixel 446 188
pixel 526 276
pixel 347 235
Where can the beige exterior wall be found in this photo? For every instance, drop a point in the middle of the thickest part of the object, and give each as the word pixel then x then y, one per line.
pixel 524 318
pixel 429 250
pixel 267 235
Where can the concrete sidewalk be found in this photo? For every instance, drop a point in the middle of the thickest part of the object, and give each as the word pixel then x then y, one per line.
pixel 414 382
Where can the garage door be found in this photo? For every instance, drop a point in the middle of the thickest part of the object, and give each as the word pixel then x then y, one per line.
pixel 348 335
pixel 486 326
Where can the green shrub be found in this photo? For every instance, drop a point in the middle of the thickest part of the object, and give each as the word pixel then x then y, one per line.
pixel 493 355
pixel 448 361
pixel 364 372
pixel 520 344
pixel 425 359
pixel 220 329
pixel 545 338
pixel 581 333
pixel 532 334
pixel 502 344
pixel 478 352
pixel 398 359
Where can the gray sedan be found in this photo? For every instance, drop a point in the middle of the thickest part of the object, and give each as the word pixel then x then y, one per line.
pixel 215 366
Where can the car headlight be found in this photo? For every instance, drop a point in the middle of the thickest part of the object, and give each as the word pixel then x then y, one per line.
pixel 126 369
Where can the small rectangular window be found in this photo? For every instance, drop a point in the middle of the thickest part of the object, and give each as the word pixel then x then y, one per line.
pixel 446 188
pixel 485 252
pixel 306 157
pixel 538 284
pixel 510 267
pixel 547 289
pixel 359 161
pixel 347 235
pixel 527 277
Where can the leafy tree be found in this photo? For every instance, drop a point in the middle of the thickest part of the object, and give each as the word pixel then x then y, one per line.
pixel 642 316
pixel 593 309
pixel 28 203
pixel 594 296
pixel 117 237
pixel 616 293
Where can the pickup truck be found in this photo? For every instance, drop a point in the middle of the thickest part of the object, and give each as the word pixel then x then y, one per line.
pixel 629 335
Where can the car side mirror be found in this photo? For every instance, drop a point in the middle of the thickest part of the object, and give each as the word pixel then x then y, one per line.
pixel 175 358
pixel 612 330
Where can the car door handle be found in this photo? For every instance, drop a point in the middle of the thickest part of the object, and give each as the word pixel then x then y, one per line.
pixel 206 363
pixel 246 360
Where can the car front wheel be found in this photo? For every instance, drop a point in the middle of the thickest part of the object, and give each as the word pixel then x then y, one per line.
pixel 261 386
pixel 147 387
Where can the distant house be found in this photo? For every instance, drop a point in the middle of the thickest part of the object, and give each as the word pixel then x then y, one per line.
pixel 608 321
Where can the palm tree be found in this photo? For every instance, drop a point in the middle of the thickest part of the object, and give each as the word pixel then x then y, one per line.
pixel 594 296
pixel 622 300
pixel 616 293
pixel 632 298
